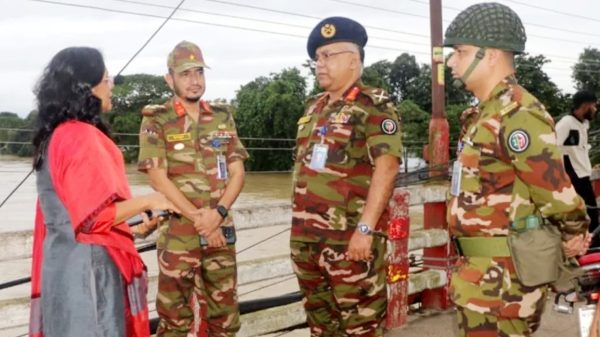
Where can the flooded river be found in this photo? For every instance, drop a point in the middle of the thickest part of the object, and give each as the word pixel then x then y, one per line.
pixel 18 212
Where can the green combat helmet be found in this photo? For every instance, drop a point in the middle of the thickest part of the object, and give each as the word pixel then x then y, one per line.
pixel 486 25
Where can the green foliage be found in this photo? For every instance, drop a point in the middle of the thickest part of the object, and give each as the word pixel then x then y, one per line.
pixel 533 78
pixel 130 95
pixel 378 75
pixel 586 72
pixel 419 90
pixel 269 107
pixel 403 73
pixel 14 140
pixel 415 125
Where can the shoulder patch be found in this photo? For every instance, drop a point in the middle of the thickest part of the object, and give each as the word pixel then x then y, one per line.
pixel 518 141
pixel 153 109
pixel 389 126
pixel 377 95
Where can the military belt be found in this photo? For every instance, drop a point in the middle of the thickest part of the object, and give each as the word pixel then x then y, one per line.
pixel 496 246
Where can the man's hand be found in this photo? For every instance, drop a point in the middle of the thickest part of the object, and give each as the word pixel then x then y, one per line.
pixel 206 221
pixel 577 245
pixel 360 247
pixel 216 239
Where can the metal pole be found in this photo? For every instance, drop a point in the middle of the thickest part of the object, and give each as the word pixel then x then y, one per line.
pixel 439 133
pixel 439 141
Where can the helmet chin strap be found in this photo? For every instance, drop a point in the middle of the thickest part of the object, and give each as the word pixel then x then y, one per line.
pixel 460 82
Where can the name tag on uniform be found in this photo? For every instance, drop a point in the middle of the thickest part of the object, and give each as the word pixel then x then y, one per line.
pixel 221 167
pixel 319 157
pixel 178 137
pixel 456 176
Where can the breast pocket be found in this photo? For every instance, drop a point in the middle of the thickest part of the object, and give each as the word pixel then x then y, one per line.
pixel 181 149
pixel 302 141
pixel 470 182
pixel 338 138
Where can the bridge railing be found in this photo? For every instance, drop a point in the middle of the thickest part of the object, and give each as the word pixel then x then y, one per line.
pixel 274 268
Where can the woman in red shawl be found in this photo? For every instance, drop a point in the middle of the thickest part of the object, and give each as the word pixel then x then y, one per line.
pixel 87 277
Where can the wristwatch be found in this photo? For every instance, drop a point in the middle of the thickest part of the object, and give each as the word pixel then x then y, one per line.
pixel 364 229
pixel 223 212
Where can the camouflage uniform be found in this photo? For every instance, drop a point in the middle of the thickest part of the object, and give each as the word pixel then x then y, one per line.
pixel 511 168
pixel 342 297
pixel 508 173
pixel 170 139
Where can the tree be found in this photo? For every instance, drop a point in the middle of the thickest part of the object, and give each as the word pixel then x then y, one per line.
pixel 419 90
pixel 269 107
pixel 403 72
pixel 415 126
pixel 13 138
pixel 130 95
pixel 533 78
pixel 378 75
pixel 586 72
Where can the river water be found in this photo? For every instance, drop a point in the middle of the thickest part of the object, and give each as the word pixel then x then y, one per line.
pixel 19 211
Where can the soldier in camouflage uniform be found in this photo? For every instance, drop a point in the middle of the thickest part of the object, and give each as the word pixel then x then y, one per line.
pixel 346 158
pixel 509 170
pixel 193 155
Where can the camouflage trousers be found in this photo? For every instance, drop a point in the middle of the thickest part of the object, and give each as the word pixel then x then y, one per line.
pixel 475 324
pixel 204 275
pixel 492 301
pixel 341 297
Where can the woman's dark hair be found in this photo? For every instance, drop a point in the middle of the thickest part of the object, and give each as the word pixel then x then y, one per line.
pixel 64 93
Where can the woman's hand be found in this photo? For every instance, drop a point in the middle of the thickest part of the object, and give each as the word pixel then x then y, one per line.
pixel 157 200
pixel 147 226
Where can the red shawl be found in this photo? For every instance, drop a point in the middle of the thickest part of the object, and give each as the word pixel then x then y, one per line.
pixel 88 175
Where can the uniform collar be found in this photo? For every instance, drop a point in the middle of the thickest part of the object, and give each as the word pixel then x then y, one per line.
pixel 180 109
pixel 349 95
pixel 500 89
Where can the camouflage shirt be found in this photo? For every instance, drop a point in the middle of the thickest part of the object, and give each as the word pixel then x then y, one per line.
pixel 170 139
pixel 328 203
pixel 512 168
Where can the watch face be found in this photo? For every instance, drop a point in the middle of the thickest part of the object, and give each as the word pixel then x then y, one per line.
pixel 222 211
pixel 363 228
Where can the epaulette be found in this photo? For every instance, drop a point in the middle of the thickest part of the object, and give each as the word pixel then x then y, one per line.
pixel 377 95
pixel 509 108
pixel 526 103
pixel 220 107
pixel 153 109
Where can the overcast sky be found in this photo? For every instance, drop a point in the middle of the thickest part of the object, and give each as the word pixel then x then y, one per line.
pixel 31 32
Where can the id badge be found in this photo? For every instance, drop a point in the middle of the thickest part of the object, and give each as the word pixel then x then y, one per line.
pixel 319 157
pixel 221 167
pixel 456 175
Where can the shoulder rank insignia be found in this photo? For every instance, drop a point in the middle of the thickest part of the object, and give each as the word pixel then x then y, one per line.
pixel 378 96
pixel 509 108
pixel 153 109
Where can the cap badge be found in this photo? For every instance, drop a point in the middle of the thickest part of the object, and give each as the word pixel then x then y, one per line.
pixel 328 30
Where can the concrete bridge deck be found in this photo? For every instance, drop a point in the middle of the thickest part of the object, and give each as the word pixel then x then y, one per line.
pixel 443 324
